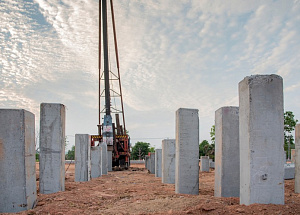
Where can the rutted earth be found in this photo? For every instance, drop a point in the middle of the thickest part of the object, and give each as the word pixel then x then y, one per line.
pixel 135 191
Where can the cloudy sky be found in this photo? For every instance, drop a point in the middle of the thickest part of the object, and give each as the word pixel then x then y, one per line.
pixel 173 54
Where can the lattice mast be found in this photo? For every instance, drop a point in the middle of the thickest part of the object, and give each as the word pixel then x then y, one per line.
pixel 112 134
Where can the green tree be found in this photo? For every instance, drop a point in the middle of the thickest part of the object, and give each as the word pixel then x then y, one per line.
pixel 211 151
pixel 203 148
pixel 152 149
pixel 206 149
pixel 139 150
pixel 212 134
pixel 37 155
pixel 71 154
pixel 289 126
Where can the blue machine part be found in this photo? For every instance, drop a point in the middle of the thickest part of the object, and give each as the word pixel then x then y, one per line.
pixel 107 130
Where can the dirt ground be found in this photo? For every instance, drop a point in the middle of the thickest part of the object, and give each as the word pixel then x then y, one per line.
pixel 135 191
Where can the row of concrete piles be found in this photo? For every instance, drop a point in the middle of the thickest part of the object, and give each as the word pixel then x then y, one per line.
pixel 249 150
pixel 249 153
pixel 249 143
pixel 90 161
pixel 18 190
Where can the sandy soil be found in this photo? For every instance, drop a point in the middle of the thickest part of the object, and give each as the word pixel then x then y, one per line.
pixel 135 191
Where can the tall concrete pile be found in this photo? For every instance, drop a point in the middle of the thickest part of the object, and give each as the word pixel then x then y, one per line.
pixel 17 161
pixel 168 161
pixel 52 148
pixel 227 153
pixel 82 157
pixel 96 165
pixel 187 151
pixel 204 164
pixel 152 163
pixel 104 159
pixel 158 162
pixel 297 159
pixel 147 162
pixel 261 140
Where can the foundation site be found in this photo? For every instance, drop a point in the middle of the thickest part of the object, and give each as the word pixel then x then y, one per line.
pixel 131 163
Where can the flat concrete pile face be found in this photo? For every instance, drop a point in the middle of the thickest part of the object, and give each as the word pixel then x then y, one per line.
pixel 95 161
pixel 158 163
pixel 147 162
pixel 17 161
pixel 261 140
pixel 289 171
pixel 82 157
pixel 109 161
pixel 52 148
pixel 211 164
pixel 104 159
pixel 204 165
pixel 227 153
pixel 297 159
pixel 152 163
pixel 137 162
pixel 187 152
pixel 168 161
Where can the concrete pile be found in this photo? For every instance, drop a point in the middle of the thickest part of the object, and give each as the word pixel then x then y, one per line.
pixel 227 154
pixel 152 163
pixel 187 151
pixel 240 132
pixel 204 164
pixel 96 161
pixel 168 161
pixel 261 140
pixel 289 171
pixel 82 157
pixel 17 156
pixel 147 164
pixel 158 162
pixel 52 148
pixel 297 159
pixel 253 131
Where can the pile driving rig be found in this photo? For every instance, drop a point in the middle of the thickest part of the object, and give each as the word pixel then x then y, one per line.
pixel 114 135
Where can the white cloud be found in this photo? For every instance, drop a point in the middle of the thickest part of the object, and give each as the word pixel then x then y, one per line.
pixel 292 87
pixel 172 54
